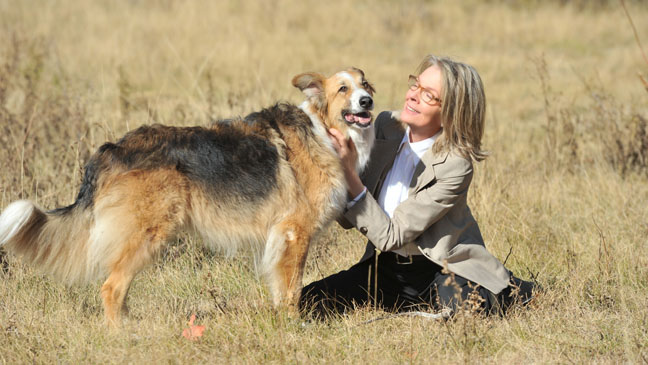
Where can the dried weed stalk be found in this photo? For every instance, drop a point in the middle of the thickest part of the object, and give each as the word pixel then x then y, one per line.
pixel 602 131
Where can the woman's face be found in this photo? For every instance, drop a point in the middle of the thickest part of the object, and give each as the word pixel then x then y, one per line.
pixel 424 119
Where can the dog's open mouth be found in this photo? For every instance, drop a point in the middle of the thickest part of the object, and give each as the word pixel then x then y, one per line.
pixel 362 119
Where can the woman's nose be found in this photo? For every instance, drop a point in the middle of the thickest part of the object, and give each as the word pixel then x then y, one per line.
pixel 412 94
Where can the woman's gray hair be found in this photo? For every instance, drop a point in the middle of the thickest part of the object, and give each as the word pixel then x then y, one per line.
pixel 463 107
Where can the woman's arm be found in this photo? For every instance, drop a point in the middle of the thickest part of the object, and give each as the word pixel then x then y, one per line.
pixel 413 216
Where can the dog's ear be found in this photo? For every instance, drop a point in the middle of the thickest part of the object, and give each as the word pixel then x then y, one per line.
pixel 310 83
pixel 358 71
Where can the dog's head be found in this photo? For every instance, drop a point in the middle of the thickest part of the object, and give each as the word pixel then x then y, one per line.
pixel 343 101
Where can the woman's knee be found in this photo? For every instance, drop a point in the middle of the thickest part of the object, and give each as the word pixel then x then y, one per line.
pixel 455 292
pixel 335 293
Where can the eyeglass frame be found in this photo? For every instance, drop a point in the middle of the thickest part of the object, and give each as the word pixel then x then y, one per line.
pixel 415 85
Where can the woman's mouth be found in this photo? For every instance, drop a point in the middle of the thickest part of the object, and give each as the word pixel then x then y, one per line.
pixel 410 109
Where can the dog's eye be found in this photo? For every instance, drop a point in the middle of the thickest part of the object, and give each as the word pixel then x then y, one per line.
pixel 365 84
pixel 343 89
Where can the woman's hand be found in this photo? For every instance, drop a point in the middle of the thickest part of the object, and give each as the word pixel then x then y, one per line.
pixel 348 156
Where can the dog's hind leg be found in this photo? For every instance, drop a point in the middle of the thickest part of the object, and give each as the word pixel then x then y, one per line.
pixel 138 252
pixel 285 257
pixel 135 217
pixel 114 291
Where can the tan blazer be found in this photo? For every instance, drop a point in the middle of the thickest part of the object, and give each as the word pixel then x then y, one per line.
pixel 435 215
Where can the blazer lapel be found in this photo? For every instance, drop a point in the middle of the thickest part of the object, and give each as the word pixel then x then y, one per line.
pixel 424 172
pixel 382 157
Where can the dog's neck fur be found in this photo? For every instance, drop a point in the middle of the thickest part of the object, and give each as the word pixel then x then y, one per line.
pixel 362 138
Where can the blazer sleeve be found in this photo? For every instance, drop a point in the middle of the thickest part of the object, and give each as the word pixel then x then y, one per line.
pixel 416 214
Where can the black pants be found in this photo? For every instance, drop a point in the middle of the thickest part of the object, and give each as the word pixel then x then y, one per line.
pixel 420 285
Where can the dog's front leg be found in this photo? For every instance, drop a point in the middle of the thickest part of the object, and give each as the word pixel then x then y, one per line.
pixel 286 258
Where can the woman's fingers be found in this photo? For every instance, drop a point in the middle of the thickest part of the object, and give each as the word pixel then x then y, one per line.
pixel 339 142
pixel 351 147
pixel 346 150
pixel 336 145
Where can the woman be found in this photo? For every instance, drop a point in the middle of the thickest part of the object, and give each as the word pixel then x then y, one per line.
pixel 425 247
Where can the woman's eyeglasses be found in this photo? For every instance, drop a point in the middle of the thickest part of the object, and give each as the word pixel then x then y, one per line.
pixel 427 95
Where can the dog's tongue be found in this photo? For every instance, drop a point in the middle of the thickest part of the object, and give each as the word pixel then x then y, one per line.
pixel 358 119
pixel 362 120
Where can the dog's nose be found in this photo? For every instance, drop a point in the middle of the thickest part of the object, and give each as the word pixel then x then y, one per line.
pixel 366 102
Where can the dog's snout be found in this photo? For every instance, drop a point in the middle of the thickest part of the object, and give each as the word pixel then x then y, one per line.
pixel 366 102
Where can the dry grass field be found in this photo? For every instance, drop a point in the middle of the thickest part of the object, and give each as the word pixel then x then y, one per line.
pixel 563 197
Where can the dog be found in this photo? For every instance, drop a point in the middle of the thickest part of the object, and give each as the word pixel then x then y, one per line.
pixel 272 177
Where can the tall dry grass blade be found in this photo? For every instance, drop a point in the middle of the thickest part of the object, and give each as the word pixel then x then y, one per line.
pixel 643 80
pixel 636 36
pixel 634 29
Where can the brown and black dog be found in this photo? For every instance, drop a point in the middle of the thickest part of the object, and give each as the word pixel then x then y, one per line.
pixel 272 177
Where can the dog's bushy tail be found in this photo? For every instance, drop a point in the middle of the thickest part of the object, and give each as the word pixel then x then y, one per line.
pixel 55 242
